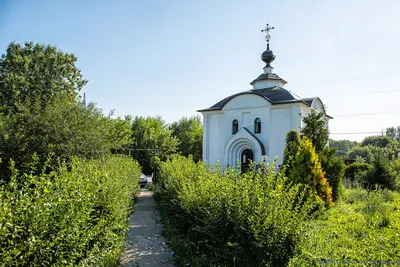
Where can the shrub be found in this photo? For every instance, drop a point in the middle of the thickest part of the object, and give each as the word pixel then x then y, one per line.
pixel 224 218
pixel 291 147
pixel 365 152
pixel 306 169
pixel 381 174
pixel 361 230
pixel 377 141
pixel 334 170
pixel 395 165
pixel 357 172
pixel 67 217
pixel 316 129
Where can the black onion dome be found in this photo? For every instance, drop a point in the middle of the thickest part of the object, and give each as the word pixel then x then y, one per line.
pixel 267 56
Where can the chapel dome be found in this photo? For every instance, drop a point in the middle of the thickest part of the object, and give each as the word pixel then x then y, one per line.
pixel 267 56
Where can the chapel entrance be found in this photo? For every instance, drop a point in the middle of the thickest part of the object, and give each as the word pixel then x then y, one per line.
pixel 246 157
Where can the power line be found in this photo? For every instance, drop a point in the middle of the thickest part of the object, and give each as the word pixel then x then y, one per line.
pixel 351 78
pixel 367 114
pixel 357 133
pixel 366 93
pixel 317 82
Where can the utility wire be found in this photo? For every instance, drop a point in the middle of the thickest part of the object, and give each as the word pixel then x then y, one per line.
pixel 351 78
pixel 357 133
pixel 366 93
pixel 367 114
pixel 339 115
pixel 310 83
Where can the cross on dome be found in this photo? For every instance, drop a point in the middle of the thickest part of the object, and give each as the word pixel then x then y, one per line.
pixel 267 35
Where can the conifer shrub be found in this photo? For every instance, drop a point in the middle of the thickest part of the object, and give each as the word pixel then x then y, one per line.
pixel 220 217
pixel 357 172
pixel 75 215
pixel 306 169
pixel 381 174
pixel 291 147
pixel 334 169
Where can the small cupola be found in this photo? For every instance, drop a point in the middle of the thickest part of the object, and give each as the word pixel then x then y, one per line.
pixel 268 79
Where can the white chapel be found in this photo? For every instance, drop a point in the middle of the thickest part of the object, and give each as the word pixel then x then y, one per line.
pixel 252 125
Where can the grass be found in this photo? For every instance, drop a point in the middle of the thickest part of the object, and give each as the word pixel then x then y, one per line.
pixel 362 229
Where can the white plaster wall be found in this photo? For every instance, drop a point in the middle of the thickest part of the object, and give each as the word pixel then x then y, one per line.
pixel 284 118
pixel 276 121
pixel 305 111
pixel 267 83
pixel 246 101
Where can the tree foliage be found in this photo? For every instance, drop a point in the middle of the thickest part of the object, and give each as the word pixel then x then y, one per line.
pixel 33 75
pixel 334 168
pixel 41 115
pixel 291 147
pixel 220 217
pixel 342 146
pixel 306 169
pixel 362 153
pixel 375 144
pixel 393 133
pixel 357 171
pixel 316 130
pixel 189 132
pixel 153 141
pixel 377 141
pixel 75 216
pixel 381 174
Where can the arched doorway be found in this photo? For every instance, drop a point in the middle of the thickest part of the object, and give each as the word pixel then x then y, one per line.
pixel 246 157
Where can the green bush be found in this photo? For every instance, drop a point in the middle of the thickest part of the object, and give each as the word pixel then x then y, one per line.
pixel 306 169
pixel 334 170
pixel 395 165
pixel 361 230
pixel 381 174
pixel 377 141
pixel 291 147
pixel 357 172
pixel 75 215
pixel 224 218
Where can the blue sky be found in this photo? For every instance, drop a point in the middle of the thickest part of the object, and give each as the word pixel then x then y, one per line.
pixel 171 58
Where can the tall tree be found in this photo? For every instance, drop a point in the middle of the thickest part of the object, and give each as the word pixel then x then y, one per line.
pixel 292 145
pixel 63 130
pixel 377 141
pixel 342 146
pixel 316 129
pixel 334 168
pixel 40 113
pixel 306 169
pixel 33 75
pixel 189 132
pixel 153 141
pixel 393 133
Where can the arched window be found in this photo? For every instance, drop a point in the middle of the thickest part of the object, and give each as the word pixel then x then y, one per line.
pixel 257 125
pixel 235 126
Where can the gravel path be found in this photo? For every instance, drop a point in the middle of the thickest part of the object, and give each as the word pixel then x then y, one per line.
pixel 144 245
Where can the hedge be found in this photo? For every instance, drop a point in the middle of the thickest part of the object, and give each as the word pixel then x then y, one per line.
pixel 76 215
pixel 225 218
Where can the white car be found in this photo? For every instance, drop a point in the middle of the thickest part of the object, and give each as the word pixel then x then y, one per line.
pixel 143 180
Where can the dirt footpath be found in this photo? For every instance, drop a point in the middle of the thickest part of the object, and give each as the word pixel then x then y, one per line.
pixel 144 245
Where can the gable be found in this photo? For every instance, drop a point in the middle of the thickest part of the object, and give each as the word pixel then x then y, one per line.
pixel 246 101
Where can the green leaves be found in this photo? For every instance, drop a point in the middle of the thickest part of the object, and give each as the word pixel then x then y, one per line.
pixel 223 217
pixel 316 129
pixel 189 132
pixel 69 217
pixel 361 230
pixel 152 133
pixel 32 75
